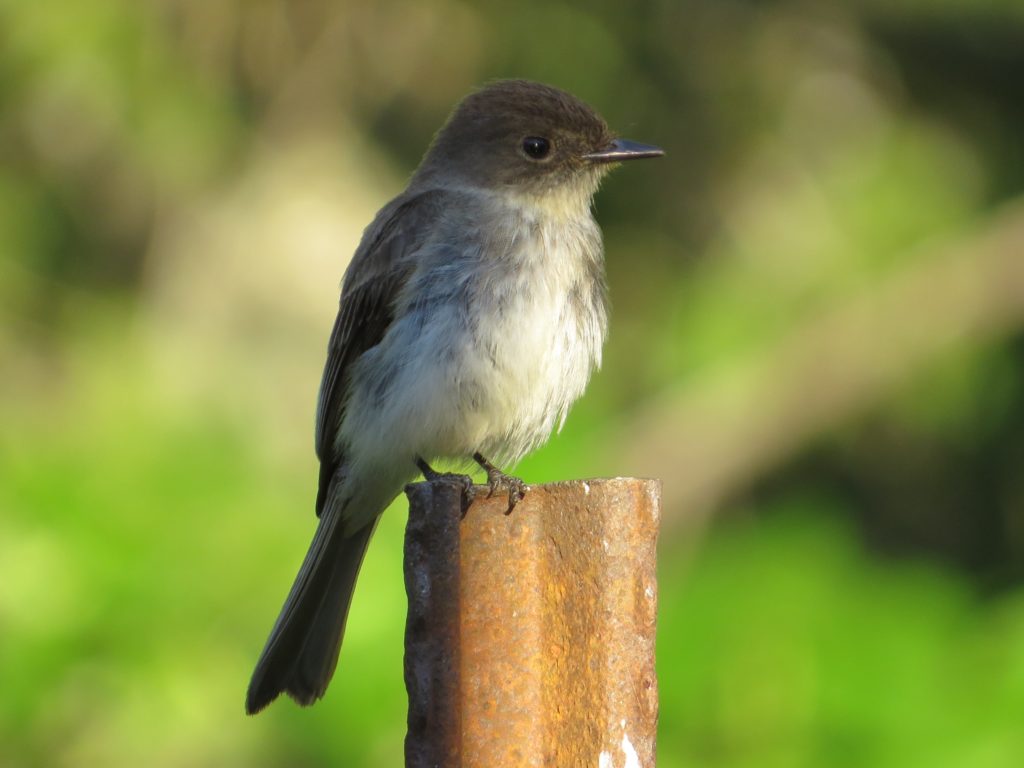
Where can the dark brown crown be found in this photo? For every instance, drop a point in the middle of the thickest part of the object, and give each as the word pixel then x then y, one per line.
pixel 528 105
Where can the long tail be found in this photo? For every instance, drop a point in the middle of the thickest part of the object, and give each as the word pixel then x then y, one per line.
pixel 302 651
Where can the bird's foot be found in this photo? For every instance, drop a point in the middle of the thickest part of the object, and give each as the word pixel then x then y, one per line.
pixel 465 481
pixel 499 481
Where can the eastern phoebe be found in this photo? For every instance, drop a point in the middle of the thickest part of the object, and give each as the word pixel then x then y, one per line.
pixel 471 318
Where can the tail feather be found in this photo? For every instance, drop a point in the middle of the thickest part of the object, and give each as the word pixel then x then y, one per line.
pixel 302 651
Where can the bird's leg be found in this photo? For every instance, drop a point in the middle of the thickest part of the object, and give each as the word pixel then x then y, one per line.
pixel 465 481
pixel 499 481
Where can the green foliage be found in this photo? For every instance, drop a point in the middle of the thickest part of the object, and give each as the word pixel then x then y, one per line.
pixel 789 646
pixel 814 342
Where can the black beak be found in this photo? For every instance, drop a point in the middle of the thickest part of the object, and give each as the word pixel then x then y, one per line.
pixel 624 149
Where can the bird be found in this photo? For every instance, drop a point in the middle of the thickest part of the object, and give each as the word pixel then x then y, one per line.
pixel 471 318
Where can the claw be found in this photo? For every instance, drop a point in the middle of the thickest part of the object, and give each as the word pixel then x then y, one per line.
pixel 432 475
pixel 499 481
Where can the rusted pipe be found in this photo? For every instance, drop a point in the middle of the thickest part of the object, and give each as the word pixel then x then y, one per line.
pixel 530 636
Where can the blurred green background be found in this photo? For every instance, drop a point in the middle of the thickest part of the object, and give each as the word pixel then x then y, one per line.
pixel 817 341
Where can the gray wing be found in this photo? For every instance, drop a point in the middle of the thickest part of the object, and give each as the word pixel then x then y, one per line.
pixel 373 281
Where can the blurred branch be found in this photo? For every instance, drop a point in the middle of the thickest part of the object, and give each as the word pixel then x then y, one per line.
pixel 715 435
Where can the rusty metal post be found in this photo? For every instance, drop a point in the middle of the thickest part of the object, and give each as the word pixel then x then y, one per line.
pixel 530 636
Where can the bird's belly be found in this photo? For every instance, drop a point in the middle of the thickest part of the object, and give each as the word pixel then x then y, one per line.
pixel 525 367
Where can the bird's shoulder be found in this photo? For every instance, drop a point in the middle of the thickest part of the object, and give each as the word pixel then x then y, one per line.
pixel 391 242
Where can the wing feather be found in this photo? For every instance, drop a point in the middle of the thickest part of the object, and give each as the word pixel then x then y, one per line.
pixel 373 282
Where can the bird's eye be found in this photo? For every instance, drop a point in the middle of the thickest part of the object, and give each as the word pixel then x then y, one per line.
pixel 536 147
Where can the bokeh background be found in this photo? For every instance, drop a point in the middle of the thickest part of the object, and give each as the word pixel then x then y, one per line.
pixel 817 341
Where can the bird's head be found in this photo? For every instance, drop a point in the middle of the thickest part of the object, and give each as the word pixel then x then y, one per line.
pixel 527 138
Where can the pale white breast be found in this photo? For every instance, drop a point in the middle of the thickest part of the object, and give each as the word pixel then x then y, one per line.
pixel 547 319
